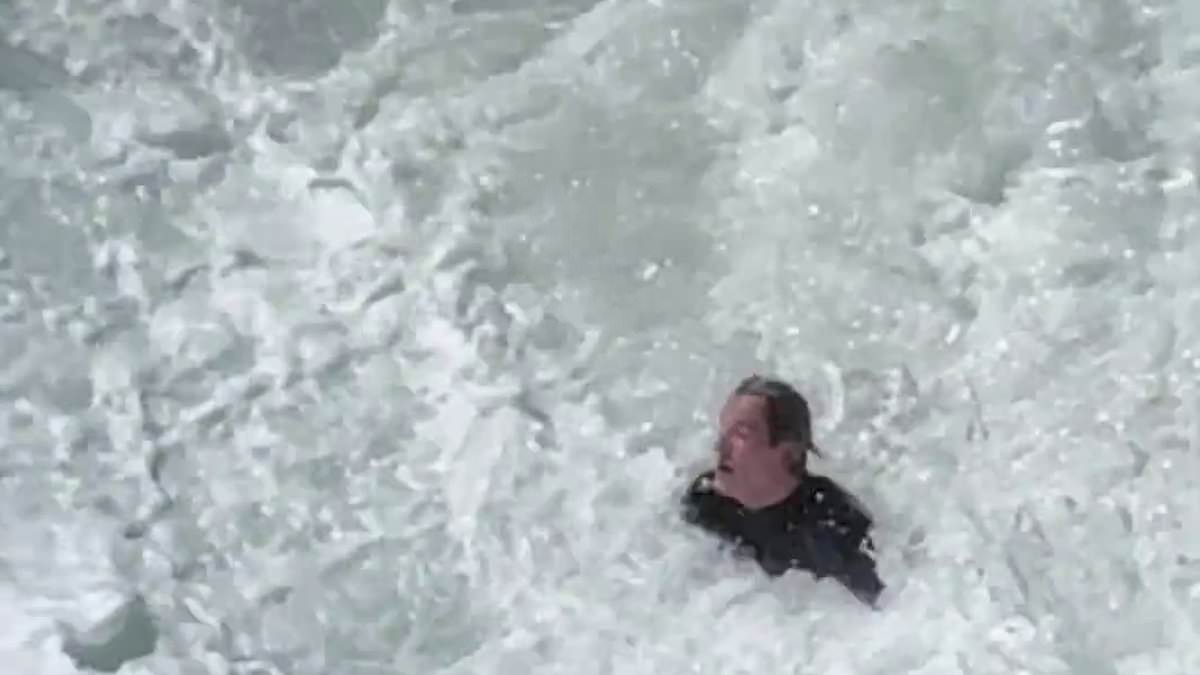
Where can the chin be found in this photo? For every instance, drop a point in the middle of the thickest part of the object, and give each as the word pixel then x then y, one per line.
pixel 724 485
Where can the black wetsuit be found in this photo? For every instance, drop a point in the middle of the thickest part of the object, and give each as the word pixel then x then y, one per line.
pixel 819 528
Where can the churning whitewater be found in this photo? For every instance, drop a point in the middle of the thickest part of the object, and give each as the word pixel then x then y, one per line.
pixel 374 337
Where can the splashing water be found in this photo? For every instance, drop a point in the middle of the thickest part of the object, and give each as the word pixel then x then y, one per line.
pixel 372 337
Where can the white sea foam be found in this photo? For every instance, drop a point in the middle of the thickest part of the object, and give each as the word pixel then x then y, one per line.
pixel 380 337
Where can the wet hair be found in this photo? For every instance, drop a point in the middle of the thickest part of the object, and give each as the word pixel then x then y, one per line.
pixel 788 417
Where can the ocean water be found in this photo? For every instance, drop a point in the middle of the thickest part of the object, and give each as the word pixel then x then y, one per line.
pixel 373 337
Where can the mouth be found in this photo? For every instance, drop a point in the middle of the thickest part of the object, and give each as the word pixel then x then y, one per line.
pixel 724 468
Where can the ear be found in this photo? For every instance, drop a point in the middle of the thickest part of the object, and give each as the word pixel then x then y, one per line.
pixel 797 454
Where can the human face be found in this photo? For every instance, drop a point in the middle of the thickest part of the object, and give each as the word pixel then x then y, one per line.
pixel 748 466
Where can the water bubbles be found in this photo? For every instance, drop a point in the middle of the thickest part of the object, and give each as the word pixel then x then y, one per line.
pixel 649 271
pixel 953 334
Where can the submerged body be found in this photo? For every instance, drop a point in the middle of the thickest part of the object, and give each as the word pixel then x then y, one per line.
pixel 818 528
pixel 762 498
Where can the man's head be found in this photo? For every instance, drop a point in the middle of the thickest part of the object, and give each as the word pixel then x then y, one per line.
pixel 765 436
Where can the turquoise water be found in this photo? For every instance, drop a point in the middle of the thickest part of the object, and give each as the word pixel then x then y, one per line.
pixel 374 337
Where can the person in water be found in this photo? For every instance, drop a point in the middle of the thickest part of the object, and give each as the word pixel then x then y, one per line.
pixel 762 499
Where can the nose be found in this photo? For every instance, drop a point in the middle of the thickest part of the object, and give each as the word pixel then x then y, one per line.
pixel 725 450
pixel 722 446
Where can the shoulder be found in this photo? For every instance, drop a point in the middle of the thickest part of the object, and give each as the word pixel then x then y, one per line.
pixel 701 501
pixel 827 495
pixel 700 490
pixel 702 484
